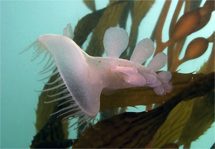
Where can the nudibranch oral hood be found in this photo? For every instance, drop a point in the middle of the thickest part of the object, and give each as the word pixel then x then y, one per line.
pixel 85 77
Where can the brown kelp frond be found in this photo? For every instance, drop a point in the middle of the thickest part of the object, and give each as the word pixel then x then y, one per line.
pixel 110 18
pixel 194 19
pixel 140 127
pixel 141 8
pixel 196 48
pixel 201 118
pixel 139 96
pixel 175 123
pixel 54 144
pixel 86 25
pixel 209 66
pixel 90 4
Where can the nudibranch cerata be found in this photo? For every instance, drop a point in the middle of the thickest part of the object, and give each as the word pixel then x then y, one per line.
pixel 85 77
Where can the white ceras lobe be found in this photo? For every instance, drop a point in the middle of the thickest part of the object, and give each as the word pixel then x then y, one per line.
pixel 119 73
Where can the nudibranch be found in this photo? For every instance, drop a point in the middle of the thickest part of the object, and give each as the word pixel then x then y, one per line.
pixel 85 77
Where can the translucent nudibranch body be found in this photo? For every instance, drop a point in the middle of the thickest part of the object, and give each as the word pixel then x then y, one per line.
pixel 84 77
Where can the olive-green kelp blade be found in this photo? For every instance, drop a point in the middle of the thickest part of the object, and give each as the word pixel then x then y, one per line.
pixel 141 8
pixel 110 18
pixel 202 115
pixel 49 128
pixel 186 122
pixel 209 66
pixel 171 129
pixel 86 25
pixel 200 120
pixel 123 20
pixel 143 95
pixel 53 134
pixel 55 144
pixel 137 129
pixel 44 110
pixel 122 98
pixel 123 23
pixel 90 4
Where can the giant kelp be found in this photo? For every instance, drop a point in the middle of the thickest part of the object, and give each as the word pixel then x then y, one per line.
pixel 133 130
pixel 192 92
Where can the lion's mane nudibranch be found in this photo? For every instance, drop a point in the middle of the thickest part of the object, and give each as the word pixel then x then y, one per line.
pixel 85 77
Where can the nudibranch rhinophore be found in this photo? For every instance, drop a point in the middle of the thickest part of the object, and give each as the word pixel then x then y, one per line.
pixel 85 77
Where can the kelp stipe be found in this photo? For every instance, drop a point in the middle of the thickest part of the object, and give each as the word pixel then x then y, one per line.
pixel 83 78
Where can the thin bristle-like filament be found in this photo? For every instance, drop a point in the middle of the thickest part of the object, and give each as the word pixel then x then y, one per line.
pixel 58 86
pixel 47 52
pixel 76 114
pixel 48 66
pixel 28 47
pixel 70 100
pixel 87 125
pixel 72 110
pixel 37 49
pixel 55 70
pixel 50 57
pixel 93 122
pixel 43 71
pixel 60 98
pixel 66 108
pixel 63 91
pixel 63 87
pixel 88 121
pixel 80 121
pixel 58 79
pixel 49 76
pixel 38 54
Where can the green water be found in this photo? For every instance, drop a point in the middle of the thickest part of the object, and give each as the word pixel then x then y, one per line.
pixel 21 23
